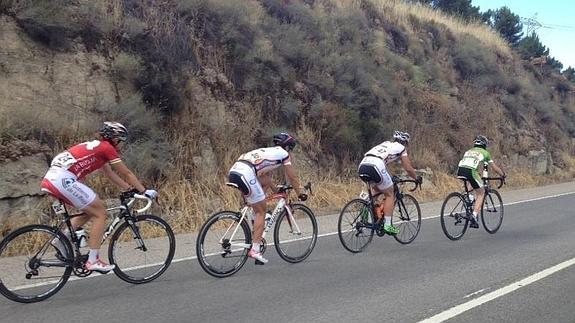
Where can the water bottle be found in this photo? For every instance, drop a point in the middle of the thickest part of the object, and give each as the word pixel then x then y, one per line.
pixel 82 237
pixel 485 173
pixel 471 198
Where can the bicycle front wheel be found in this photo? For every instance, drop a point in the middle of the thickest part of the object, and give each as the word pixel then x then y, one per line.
pixel 295 233
pixel 407 218
pixel 142 250
pixel 35 263
pixel 223 244
pixel 355 225
pixel 454 220
pixel 492 211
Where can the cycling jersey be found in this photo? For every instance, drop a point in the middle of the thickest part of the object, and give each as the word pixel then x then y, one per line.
pixel 473 158
pixel 265 160
pixel 84 158
pixel 67 168
pixel 388 151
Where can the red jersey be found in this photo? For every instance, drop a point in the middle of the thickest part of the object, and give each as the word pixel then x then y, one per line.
pixel 84 158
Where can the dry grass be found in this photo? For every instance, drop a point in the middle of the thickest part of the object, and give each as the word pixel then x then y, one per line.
pixel 399 13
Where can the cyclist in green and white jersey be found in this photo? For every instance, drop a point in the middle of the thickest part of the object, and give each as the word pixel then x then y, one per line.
pixel 469 166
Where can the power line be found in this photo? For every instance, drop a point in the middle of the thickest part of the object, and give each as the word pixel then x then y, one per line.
pixel 532 24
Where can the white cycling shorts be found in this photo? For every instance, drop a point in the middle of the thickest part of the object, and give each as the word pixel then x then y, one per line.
pixel 247 175
pixel 65 186
pixel 379 165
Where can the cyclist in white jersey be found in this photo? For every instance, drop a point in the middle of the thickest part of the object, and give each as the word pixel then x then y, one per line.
pixel 251 174
pixel 374 165
pixel 472 160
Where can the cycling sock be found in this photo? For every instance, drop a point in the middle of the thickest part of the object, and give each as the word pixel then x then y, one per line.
pixel 387 220
pixel 93 255
pixel 475 215
pixel 256 247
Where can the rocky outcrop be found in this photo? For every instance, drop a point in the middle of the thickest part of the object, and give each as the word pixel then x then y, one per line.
pixel 50 89
pixel 539 162
pixel 20 189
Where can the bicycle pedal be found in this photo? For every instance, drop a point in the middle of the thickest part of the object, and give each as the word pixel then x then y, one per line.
pixel 257 262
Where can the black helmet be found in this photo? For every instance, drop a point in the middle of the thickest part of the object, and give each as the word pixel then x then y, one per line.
pixel 481 141
pixel 114 130
pixel 285 140
pixel 401 136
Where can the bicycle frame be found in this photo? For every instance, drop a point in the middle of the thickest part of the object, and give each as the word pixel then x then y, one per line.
pixel 396 189
pixel 283 203
pixel 59 208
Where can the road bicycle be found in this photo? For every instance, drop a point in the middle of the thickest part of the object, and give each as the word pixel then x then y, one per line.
pixel 357 223
pixel 37 260
pixel 457 209
pixel 226 237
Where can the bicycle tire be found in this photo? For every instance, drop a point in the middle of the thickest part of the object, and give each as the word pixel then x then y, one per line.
pixel 208 252
pixel 490 206
pixel 289 241
pixel 138 249
pixel 13 249
pixel 454 215
pixel 407 218
pixel 353 223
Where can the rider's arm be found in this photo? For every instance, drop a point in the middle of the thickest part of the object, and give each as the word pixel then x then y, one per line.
pixel 406 163
pixel 497 169
pixel 107 170
pixel 124 172
pixel 292 177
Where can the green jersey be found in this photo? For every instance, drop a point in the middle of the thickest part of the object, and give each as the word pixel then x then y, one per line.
pixel 473 158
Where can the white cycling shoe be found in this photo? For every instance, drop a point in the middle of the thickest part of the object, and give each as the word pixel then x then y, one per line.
pixel 257 256
pixel 99 266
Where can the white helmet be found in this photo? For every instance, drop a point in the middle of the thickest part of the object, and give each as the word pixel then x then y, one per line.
pixel 401 136
pixel 481 141
pixel 114 130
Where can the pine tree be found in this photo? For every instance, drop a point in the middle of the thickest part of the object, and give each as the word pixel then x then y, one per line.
pixel 462 8
pixel 508 25
pixel 531 47
pixel 569 73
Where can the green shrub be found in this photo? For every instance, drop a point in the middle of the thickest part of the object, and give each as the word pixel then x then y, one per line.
pixel 127 67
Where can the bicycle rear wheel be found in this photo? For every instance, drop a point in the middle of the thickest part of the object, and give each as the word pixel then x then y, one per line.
pixel 407 218
pixel 295 234
pixel 223 244
pixel 492 211
pixel 142 250
pixel 454 220
pixel 355 225
pixel 31 267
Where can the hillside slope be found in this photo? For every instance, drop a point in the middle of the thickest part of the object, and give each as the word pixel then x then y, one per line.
pixel 199 82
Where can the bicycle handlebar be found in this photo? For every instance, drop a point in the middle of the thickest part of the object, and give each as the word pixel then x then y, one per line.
pixel 500 179
pixel 398 180
pixel 128 198
pixel 285 188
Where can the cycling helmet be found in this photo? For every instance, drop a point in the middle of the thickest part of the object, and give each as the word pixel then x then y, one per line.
pixel 481 141
pixel 401 136
pixel 285 140
pixel 113 130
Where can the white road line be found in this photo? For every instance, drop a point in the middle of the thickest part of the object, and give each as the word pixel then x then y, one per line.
pixel 456 310
pixel 319 236
pixel 475 293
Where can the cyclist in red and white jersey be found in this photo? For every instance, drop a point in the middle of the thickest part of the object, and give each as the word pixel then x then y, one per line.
pixel 251 174
pixel 374 164
pixel 63 181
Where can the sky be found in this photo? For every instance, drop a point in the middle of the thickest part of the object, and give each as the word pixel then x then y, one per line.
pixel 557 15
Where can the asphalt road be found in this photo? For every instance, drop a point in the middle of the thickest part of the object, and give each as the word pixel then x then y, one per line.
pixel 387 282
